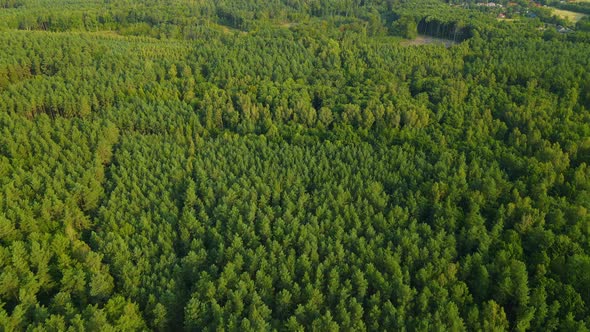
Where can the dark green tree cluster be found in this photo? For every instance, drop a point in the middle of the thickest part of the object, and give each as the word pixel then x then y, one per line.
pixel 290 165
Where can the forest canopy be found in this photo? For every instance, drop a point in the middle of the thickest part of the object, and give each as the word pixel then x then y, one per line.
pixel 293 165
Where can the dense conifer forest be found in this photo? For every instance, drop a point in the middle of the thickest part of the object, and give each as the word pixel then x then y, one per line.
pixel 293 165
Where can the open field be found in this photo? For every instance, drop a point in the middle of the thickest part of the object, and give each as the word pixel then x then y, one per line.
pixel 427 40
pixel 572 16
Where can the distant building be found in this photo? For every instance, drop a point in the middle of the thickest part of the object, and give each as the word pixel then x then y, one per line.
pixel 501 15
pixel 489 4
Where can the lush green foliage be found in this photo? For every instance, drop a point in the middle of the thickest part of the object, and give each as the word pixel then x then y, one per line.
pixel 290 165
